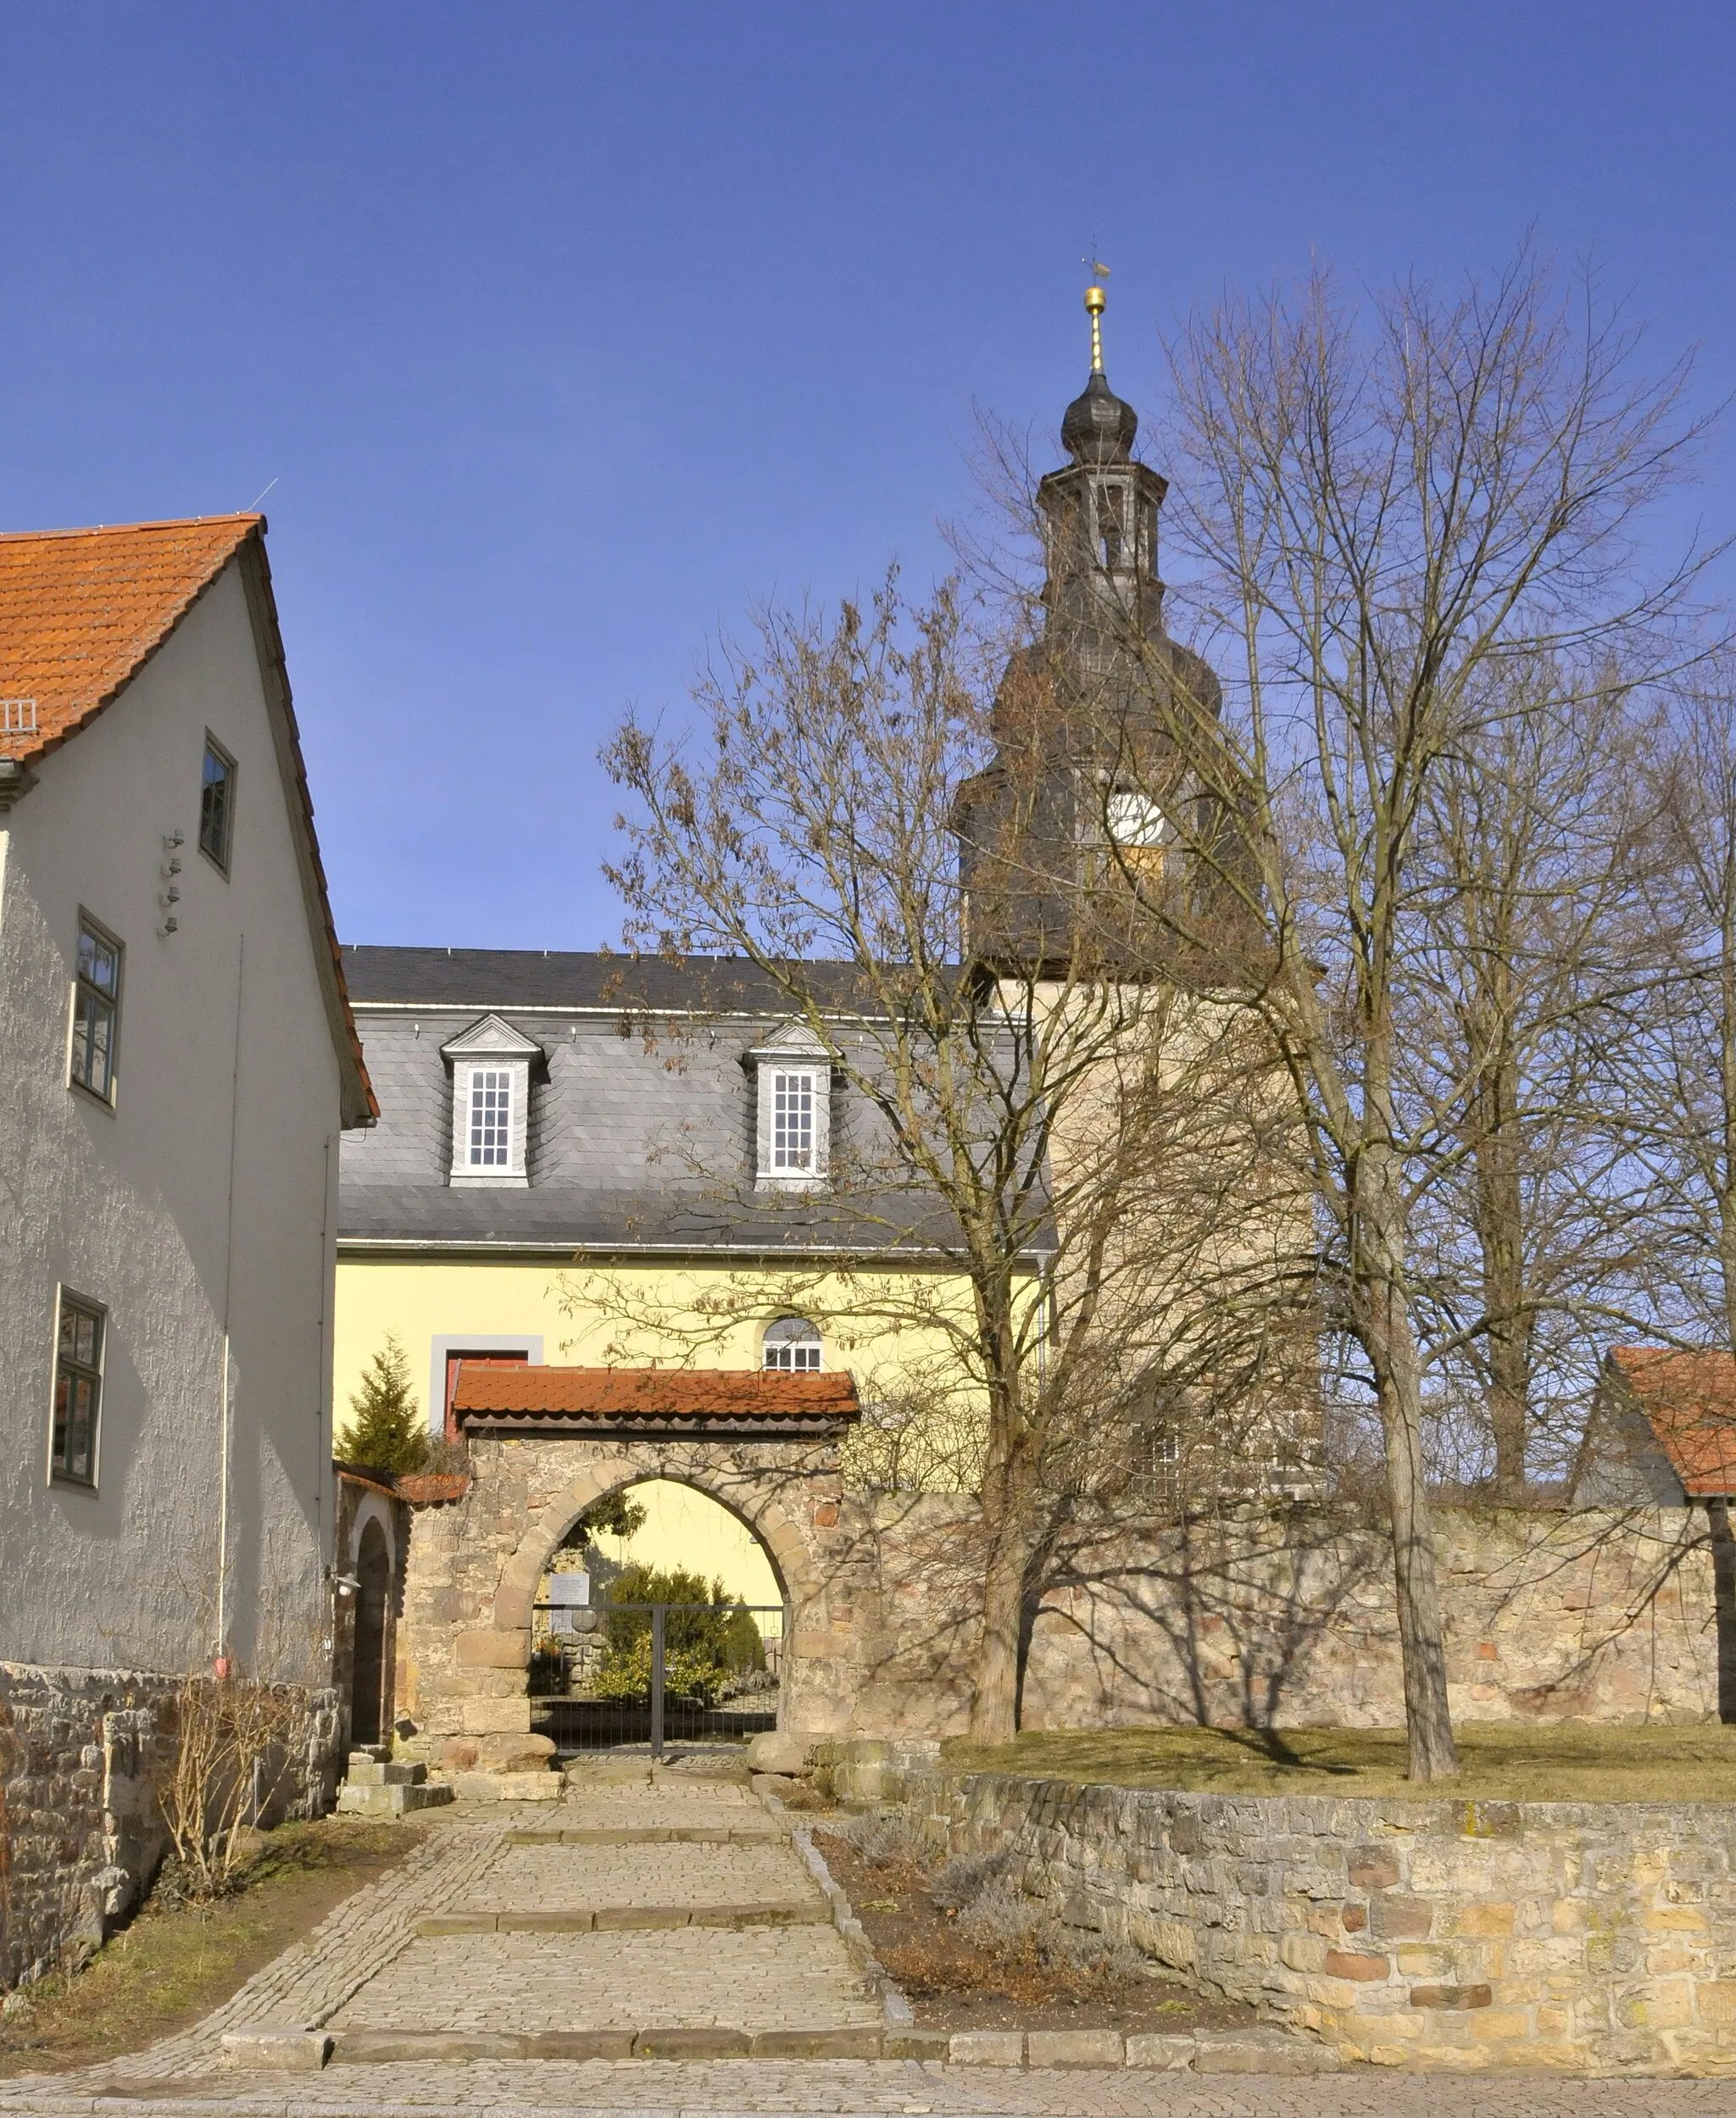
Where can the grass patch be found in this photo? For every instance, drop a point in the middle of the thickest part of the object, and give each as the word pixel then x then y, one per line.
pixel 170 1966
pixel 1567 1762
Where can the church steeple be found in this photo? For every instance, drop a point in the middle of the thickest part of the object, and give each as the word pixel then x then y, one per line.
pixel 1100 513
pixel 1053 832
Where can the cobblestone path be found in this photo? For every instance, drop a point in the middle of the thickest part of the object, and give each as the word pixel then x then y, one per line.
pixel 783 1967
pixel 650 2088
pixel 372 1969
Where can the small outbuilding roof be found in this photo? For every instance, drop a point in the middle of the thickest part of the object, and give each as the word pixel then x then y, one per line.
pixel 1690 1402
pixel 613 1400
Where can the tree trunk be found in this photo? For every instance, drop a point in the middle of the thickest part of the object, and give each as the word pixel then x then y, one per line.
pixel 1391 1346
pixel 1724 1602
pixel 1500 1213
pixel 994 1706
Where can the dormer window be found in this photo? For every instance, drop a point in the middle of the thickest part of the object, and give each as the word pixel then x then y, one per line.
pixel 793 1077
pixel 490 1067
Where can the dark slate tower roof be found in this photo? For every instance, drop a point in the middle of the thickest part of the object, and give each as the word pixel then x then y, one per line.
pixel 1099 427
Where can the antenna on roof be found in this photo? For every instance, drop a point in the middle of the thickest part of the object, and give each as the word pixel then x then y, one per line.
pixel 255 509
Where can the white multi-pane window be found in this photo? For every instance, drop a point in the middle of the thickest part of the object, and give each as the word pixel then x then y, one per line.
pixel 491 1064
pixel 792 1347
pixel 491 1118
pixel 792 1130
pixel 793 1122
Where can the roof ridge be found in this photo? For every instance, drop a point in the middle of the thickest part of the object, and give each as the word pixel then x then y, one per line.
pixel 115 529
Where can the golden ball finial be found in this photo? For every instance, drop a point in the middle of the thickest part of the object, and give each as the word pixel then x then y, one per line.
pixel 1095 301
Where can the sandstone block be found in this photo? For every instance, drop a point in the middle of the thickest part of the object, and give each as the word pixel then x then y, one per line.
pixel 1074 2048
pixel 495 1717
pixel 1372 1868
pixel 1717 2000
pixel 1340 1964
pixel 1394 1918
pixel 1261 2052
pixel 1494 1922
pixel 817 2044
pixel 777 1752
pixel 492 1650
pixel 692 2045
pixel 276 2047
pixel 1451 1997
pixel 1167 2054
pixel 986 2048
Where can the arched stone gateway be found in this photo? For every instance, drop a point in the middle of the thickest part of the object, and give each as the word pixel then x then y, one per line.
pixel 544 1444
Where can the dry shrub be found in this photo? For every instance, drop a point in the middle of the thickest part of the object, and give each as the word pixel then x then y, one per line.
pixel 234 1741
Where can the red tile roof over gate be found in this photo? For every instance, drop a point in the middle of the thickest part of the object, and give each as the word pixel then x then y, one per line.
pixel 657 1394
pixel 1690 1400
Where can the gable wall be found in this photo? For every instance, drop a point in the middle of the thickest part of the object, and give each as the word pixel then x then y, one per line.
pixel 133 1206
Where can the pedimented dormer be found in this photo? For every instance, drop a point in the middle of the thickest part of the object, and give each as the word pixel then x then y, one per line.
pixel 491 1064
pixel 792 1085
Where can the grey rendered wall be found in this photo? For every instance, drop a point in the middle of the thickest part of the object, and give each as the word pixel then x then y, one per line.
pixel 144 1208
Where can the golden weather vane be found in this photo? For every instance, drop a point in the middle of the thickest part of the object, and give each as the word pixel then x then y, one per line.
pixel 1095 298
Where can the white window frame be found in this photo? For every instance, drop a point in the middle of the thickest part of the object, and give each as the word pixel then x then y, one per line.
pixel 490 1047
pixel 794 1056
pixel 794 1335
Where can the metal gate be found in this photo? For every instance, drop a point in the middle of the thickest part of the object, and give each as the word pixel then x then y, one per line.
pixel 612 1675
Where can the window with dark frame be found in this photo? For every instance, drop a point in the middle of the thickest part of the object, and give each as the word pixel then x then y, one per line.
pixel 216 802
pixel 78 1390
pixel 96 1008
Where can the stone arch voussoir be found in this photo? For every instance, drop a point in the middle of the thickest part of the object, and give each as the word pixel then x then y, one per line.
pixel 766 1517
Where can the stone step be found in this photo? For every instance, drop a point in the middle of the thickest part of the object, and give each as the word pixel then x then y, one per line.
pixel 399 1800
pixel 1252 2051
pixel 792 1912
pixel 375 1772
pixel 649 1835
pixel 371 1753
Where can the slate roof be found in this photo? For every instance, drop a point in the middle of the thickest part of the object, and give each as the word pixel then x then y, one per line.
pixel 621 1397
pixel 1689 1400
pixel 81 612
pixel 503 979
pixel 641 1127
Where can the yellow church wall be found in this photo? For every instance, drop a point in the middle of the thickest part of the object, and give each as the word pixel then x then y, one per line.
pixel 708 1317
pixel 884 1328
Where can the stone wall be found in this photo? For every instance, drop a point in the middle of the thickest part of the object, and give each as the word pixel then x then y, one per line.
pixel 1283 1616
pixel 1273 1616
pixel 81 1752
pixel 1587 1937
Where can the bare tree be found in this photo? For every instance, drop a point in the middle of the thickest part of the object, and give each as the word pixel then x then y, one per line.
pixel 1382 508
pixel 1071 1141
pixel 1532 937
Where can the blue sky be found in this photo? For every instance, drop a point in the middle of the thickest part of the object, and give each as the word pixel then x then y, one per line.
pixel 566 331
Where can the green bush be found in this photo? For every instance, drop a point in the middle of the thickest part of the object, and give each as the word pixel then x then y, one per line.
pixel 703 1647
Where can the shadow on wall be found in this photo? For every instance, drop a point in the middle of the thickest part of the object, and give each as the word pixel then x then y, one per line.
pixel 1272 1615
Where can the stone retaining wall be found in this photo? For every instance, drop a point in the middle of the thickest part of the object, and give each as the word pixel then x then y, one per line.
pixel 1587 1937
pixel 80 1833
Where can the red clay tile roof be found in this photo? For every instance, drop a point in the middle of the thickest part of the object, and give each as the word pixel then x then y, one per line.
pixel 82 610
pixel 1690 1400
pixel 661 1393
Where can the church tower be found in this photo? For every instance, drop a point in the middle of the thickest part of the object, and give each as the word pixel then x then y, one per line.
pixel 1076 820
